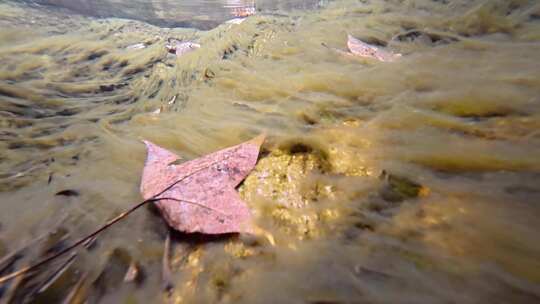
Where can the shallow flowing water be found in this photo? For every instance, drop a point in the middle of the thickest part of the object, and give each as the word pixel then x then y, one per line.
pixel 413 181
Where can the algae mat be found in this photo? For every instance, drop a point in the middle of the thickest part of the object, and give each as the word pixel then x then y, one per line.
pixel 413 181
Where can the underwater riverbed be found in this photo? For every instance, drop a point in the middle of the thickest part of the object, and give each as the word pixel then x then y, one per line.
pixel 411 181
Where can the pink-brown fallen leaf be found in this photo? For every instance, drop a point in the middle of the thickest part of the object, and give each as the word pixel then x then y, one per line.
pixel 196 196
pixel 362 49
pixel 203 196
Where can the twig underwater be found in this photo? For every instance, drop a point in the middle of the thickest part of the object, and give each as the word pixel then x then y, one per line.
pixel 209 161
pixel 104 227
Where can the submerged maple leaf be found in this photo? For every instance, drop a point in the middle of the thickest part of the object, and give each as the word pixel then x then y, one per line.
pixel 362 49
pixel 196 196
pixel 202 197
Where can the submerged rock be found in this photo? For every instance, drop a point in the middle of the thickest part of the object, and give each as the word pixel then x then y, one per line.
pixel 280 175
pixel 398 189
pixel 284 183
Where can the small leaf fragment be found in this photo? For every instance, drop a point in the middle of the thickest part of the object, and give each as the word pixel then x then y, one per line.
pixel 180 48
pixel 363 49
